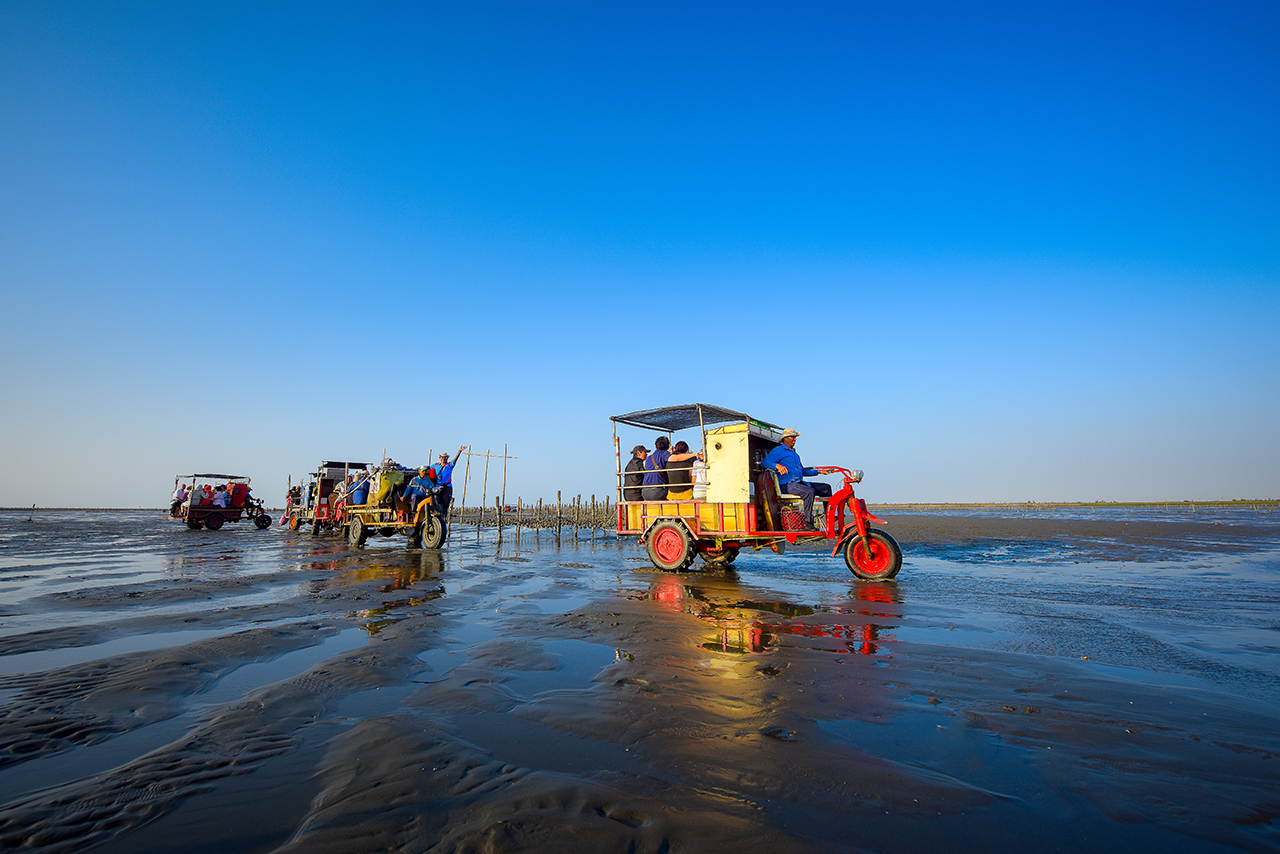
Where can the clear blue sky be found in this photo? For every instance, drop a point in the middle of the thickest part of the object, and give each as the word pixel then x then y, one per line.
pixel 990 252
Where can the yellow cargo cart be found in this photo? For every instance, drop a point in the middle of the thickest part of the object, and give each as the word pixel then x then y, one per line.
pixel 359 499
pixel 378 505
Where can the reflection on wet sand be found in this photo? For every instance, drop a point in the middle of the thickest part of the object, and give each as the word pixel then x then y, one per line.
pixel 751 626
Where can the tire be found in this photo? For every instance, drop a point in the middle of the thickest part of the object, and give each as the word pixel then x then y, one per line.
pixel 295 523
pixel 434 532
pixel 718 559
pixel 315 528
pixel 669 547
pixel 357 532
pixel 262 521
pixel 885 559
pixel 213 521
pixel 195 526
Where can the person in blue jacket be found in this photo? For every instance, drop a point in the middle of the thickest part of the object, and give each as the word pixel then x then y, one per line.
pixel 419 488
pixel 444 479
pixel 791 473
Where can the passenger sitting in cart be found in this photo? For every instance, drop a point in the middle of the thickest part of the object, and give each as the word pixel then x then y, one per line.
pixel 680 471
pixel 179 498
pixel 791 473
pixel 660 466
pixel 357 489
pixel 221 497
pixel 337 497
pixel 634 477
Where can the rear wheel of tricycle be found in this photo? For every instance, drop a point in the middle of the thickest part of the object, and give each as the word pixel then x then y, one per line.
pixel 213 521
pixel 357 532
pixel 295 522
pixel 262 521
pixel 670 547
pixel 434 531
pixel 718 558
pixel 315 528
pixel 881 564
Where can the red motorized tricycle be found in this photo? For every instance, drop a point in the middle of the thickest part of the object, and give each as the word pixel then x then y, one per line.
pixel 210 500
pixel 733 501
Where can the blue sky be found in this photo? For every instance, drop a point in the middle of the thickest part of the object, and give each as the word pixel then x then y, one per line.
pixel 995 252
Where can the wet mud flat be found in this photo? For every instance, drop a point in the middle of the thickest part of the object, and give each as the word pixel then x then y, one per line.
pixel 1058 684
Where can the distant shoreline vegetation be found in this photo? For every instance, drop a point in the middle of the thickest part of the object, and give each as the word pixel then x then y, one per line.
pixel 918 505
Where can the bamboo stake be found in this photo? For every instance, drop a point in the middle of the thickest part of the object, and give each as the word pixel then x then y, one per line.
pixel 466 476
pixel 484 492
pixel 558 506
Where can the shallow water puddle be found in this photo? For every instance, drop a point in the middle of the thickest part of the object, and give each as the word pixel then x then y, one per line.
pixel 88 760
pixel 580 661
pixel 118 750
pixel 466 633
pixel 250 677
pixel 49 659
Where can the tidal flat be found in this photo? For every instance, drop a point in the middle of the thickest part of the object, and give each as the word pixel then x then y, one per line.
pixel 1052 682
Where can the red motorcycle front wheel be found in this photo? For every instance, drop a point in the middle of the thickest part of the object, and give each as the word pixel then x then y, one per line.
pixel 884 560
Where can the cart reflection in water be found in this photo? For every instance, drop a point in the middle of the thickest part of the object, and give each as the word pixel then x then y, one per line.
pixel 745 626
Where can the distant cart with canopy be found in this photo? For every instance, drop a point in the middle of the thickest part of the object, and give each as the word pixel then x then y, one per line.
pixel 204 509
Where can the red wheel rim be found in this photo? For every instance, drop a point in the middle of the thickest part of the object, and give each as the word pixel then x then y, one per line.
pixel 668 545
pixel 881 556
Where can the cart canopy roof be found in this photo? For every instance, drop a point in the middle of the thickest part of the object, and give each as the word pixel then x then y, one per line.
pixel 671 418
pixel 214 476
pixel 331 464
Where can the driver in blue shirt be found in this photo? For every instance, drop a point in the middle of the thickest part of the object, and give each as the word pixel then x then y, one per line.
pixel 791 473
pixel 419 488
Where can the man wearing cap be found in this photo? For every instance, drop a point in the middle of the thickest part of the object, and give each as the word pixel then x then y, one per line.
pixel 791 473
pixel 444 479
pixel 635 474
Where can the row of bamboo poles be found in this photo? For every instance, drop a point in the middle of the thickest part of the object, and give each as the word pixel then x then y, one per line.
pixel 565 518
